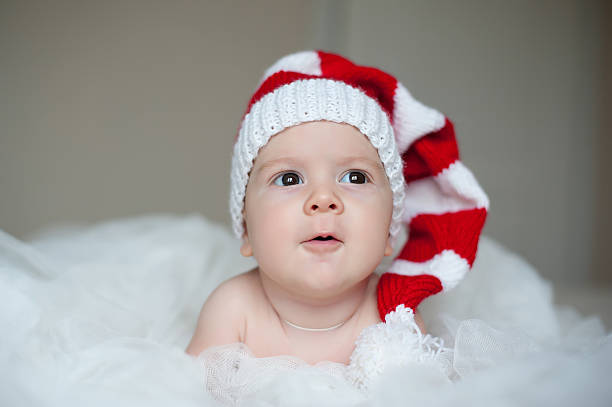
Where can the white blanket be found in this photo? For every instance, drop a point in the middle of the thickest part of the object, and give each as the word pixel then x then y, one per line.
pixel 100 315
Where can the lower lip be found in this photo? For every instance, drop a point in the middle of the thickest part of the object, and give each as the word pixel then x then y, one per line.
pixel 322 246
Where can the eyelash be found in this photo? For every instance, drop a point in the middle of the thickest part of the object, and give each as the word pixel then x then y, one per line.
pixel 277 180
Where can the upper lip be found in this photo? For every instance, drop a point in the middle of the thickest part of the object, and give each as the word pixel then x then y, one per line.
pixel 323 234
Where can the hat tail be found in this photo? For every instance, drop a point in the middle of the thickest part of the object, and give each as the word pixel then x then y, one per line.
pixel 445 210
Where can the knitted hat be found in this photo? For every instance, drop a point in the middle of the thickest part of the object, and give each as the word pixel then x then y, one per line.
pixel 434 194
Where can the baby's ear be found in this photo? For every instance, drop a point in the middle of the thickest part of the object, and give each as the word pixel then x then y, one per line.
pixel 246 250
pixel 388 247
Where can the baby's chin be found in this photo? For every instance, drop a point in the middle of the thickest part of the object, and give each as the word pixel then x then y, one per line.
pixel 326 285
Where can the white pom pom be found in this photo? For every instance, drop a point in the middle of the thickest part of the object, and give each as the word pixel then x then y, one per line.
pixel 396 342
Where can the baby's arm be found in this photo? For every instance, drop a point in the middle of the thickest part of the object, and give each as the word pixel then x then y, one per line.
pixel 222 317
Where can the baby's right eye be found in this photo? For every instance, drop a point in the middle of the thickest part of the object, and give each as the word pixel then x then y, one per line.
pixel 287 179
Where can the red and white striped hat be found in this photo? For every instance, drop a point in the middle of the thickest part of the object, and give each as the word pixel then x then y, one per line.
pixel 434 194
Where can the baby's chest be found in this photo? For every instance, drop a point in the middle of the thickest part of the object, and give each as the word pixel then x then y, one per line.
pixel 267 338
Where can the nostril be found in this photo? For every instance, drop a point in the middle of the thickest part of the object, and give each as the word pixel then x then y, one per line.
pixel 324 207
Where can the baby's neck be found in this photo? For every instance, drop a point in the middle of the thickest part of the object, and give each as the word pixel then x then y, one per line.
pixel 317 314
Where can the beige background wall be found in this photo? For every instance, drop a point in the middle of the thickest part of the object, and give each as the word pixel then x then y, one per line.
pixel 113 109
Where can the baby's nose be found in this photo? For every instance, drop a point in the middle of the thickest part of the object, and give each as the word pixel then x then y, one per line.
pixel 323 200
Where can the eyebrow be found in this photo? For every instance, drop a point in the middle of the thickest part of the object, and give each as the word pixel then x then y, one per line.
pixel 283 160
pixel 344 161
pixel 364 160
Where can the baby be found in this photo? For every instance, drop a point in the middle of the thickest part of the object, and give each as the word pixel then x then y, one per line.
pixel 330 159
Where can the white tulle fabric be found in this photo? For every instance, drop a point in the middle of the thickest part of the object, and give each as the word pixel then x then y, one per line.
pixel 100 315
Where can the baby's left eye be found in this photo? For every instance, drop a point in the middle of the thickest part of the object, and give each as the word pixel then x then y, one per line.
pixel 354 177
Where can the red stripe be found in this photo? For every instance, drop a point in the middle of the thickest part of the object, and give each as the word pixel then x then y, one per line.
pixel 431 234
pixel 372 81
pixel 431 154
pixel 395 289
pixel 274 82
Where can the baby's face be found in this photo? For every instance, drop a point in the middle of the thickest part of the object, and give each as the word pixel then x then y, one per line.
pixel 318 179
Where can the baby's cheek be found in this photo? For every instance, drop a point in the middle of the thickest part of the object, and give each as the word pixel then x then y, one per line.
pixel 273 221
pixel 373 225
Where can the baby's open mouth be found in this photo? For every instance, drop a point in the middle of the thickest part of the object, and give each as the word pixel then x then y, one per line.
pixel 322 238
pixel 322 243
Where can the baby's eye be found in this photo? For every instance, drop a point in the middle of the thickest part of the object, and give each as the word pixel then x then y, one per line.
pixel 287 179
pixel 354 177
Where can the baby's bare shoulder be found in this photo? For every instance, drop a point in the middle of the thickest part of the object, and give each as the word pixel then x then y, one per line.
pixel 223 315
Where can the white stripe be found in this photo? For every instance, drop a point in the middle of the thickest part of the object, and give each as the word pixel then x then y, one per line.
pixel 452 190
pixel 447 266
pixel 412 119
pixel 457 179
pixel 306 62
